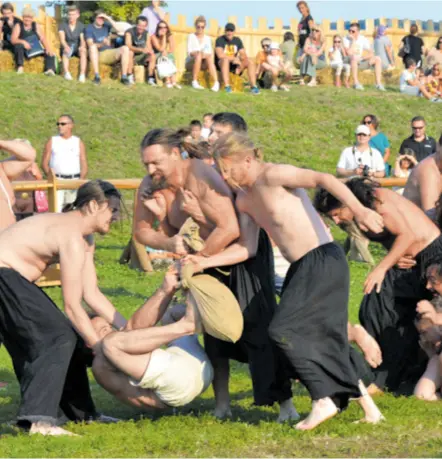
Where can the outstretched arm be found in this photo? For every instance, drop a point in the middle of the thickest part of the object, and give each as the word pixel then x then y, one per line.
pixel 23 155
pixel 292 177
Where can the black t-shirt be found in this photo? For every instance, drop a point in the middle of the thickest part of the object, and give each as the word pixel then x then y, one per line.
pixel 25 34
pixel 304 30
pixel 7 30
pixel 72 36
pixel 415 44
pixel 231 48
pixel 421 149
pixel 137 41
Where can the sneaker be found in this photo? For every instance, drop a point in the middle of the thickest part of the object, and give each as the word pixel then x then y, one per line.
pixel 358 87
pixel 436 100
pixel 68 76
pixel 215 87
pixel 125 81
pixel 177 86
pixel 169 85
pixel 255 90
pixel 196 85
pixel 285 88
pixel 97 80
pixel 82 78
pixel 380 87
pixel 20 70
pixel 228 89
pixel 50 73
pixel 151 81
pixel 131 79
pixel 274 88
pixel 312 84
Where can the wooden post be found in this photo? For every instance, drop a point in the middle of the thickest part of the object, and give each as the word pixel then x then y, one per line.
pixel 52 192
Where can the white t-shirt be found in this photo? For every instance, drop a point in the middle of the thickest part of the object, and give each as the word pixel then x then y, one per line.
pixel 336 57
pixel 351 158
pixel 193 44
pixel 357 46
pixel 406 76
pixel 65 155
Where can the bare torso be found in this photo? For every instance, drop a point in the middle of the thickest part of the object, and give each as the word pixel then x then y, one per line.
pixel 7 200
pixel 32 244
pixel 288 216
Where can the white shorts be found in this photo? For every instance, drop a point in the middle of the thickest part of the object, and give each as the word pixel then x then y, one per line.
pixel 179 373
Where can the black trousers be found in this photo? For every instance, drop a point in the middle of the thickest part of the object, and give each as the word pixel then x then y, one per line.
pixel 19 57
pixel 46 352
pixel 310 324
pixel 252 283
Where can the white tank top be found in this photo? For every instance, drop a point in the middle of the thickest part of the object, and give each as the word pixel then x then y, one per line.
pixel 65 155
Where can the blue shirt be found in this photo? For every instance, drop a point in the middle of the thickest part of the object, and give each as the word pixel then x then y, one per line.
pixel 98 34
pixel 380 142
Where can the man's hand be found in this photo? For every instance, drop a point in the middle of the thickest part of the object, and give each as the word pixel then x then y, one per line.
pixel 374 279
pixel 359 170
pixel 427 311
pixel 156 204
pixel 170 282
pixel 369 346
pixel 67 50
pixel 406 262
pixel 368 219
pixel 26 45
pixel 49 52
pixel 106 42
pixel 194 260
pixel 190 204
pixel 176 245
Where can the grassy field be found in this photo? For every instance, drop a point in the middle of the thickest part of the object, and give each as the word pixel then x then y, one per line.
pixel 308 127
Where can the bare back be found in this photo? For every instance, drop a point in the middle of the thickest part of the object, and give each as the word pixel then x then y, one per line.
pixel 7 200
pixel 287 215
pixel 32 244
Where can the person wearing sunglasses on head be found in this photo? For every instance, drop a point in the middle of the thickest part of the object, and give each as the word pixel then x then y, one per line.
pixel 337 57
pixel 65 154
pixel 362 57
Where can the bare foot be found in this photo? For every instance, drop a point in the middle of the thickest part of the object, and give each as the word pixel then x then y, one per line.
pixel 287 412
pixel 222 412
pixel 372 413
pixel 370 348
pixel 47 429
pixel 322 410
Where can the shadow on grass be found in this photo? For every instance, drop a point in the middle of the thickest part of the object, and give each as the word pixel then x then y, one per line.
pixel 122 292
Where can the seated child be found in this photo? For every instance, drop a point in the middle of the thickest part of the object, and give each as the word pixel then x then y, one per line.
pixel 277 67
pixel 403 166
pixel 207 126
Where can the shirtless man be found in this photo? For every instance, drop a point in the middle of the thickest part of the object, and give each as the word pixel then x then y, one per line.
pixel 310 323
pixel 23 155
pixel 40 339
pixel 131 365
pixel 250 282
pixel 387 310
pixel 424 185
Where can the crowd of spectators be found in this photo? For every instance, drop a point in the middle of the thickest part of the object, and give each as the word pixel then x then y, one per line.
pixel 150 44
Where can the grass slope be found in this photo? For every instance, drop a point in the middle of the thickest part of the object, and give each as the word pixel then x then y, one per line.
pixel 308 127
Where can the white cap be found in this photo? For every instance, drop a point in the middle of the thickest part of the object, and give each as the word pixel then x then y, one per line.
pixel 362 129
pixel 274 45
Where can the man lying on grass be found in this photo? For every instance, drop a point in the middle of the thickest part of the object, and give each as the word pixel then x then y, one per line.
pixel 396 284
pixel 131 364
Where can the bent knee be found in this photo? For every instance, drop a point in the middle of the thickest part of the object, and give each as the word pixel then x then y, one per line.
pixel 110 344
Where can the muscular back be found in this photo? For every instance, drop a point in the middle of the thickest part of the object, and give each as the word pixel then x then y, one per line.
pixel 32 244
pixel 7 200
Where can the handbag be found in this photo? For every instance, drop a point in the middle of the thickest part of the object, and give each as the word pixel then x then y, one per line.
pixel 406 49
pixel 41 201
pixel 36 47
pixel 165 67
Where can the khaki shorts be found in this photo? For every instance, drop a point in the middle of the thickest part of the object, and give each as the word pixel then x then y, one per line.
pixel 110 56
pixel 365 65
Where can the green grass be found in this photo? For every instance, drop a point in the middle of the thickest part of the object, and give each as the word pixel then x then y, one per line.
pixel 308 127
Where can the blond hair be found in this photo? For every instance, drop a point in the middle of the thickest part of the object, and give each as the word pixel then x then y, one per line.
pixel 200 19
pixel 28 12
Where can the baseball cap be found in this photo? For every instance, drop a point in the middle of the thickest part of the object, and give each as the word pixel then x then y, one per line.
pixel 230 27
pixel 362 129
pixel 274 45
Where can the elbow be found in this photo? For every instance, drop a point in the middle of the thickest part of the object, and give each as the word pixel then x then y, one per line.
pixel 232 233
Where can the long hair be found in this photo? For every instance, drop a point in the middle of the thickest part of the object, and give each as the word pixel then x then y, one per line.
pixel 302 2
pixel 157 30
pixel 374 120
pixel 94 190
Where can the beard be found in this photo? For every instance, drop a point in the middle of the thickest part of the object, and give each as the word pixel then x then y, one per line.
pixel 158 183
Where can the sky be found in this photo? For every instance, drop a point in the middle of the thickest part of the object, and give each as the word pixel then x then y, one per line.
pixel 285 10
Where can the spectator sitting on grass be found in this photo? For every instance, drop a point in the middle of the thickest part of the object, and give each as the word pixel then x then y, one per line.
pixel 337 57
pixel 412 47
pixel 383 48
pixel 434 56
pixel 230 56
pixel 361 56
pixel 434 83
pixel 137 39
pixel 71 33
pixel 288 47
pixel 277 68
pixel 200 55
pixel 207 126
pixel 261 58
pixel 7 23
pixel 378 139
pixel 313 57
pixel 403 166
pixel 100 49
pixel 163 44
pixel 195 131
pixel 409 83
pixel 30 41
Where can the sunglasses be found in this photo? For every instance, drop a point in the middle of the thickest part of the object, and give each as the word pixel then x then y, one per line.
pixel 315 30
pixel 338 41
pixel 352 31
pixel 62 124
pixel 200 27
pixel 162 27
pixel 415 128
pixel 361 134
pixel 367 122
pixel 266 46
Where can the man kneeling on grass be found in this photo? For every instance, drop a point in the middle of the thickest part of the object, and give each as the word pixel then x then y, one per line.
pixel 133 367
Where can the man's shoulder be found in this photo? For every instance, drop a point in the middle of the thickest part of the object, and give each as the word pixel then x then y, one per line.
pixel 347 150
pixel 221 41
